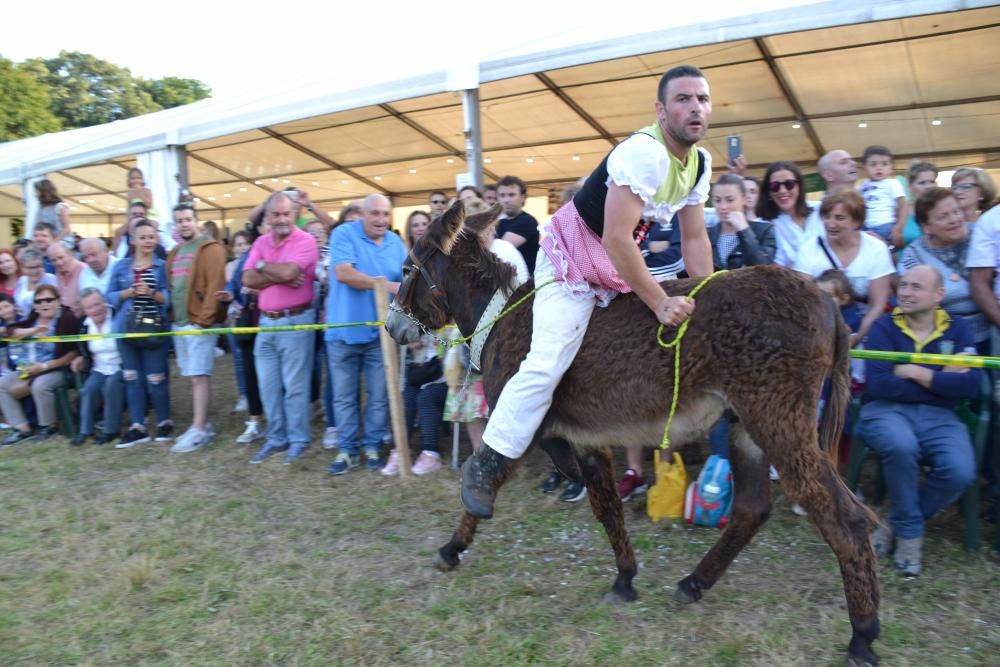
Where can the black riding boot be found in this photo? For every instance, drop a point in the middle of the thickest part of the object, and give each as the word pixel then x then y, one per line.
pixel 481 475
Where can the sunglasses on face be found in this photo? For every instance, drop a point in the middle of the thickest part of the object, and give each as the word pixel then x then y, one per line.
pixel 965 186
pixel 44 300
pixel 790 184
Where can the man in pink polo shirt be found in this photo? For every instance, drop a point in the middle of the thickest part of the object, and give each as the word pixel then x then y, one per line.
pixel 281 265
pixel 68 269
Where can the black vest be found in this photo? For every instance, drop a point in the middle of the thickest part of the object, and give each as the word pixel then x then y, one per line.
pixel 589 201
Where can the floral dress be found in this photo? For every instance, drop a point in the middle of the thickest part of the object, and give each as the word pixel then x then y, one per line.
pixel 466 401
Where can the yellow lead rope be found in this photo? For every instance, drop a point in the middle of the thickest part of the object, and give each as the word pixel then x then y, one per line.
pixel 675 345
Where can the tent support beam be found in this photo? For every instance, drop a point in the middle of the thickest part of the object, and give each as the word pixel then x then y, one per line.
pixel 577 109
pixel 790 97
pixel 325 160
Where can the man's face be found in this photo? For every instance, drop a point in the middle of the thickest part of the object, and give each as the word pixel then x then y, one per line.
pixel 919 291
pixel 43 239
pixel 378 218
pixel 60 258
pixel 281 218
pixel 438 204
pixel 686 111
pixel 187 224
pixel 95 308
pixel 7 311
pixel 490 196
pixel 95 256
pixel 136 212
pixel 841 169
pixel 511 199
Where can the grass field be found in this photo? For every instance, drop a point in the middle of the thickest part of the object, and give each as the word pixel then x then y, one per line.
pixel 141 557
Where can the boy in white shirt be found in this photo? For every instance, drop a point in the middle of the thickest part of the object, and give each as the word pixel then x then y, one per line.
pixel 885 200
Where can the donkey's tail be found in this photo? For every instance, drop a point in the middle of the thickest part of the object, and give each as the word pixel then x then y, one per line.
pixel 831 422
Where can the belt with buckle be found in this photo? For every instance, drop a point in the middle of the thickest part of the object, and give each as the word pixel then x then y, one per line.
pixel 287 312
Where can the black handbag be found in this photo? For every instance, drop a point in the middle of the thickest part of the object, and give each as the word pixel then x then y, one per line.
pixel 140 321
pixel 417 375
pixel 248 317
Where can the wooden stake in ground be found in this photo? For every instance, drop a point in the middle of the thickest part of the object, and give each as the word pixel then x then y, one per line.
pixel 390 356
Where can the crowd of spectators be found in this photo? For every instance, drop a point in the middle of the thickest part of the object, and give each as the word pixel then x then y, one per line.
pixel 913 265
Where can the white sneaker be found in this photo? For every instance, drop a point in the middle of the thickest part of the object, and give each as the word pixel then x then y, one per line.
pixel 241 405
pixel 798 509
pixel 219 352
pixel 192 439
pixel 773 473
pixel 391 466
pixel 251 433
pixel 330 437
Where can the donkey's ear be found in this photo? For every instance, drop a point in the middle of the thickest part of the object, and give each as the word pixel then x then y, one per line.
pixel 451 225
pixel 478 222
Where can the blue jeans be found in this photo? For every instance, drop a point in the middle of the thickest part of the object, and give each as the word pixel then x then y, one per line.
pixel 326 376
pixel 234 349
pixel 145 370
pixel 426 406
pixel 347 363
pixel 718 439
pixel 906 436
pixel 284 366
pixel 112 389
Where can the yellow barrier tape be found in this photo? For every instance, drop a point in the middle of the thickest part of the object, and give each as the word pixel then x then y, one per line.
pixel 82 338
pixel 967 361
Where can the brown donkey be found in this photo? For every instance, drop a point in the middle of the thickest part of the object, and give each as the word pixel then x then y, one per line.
pixel 760 343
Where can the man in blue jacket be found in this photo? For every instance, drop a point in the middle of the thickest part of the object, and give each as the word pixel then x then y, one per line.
pixel 909 417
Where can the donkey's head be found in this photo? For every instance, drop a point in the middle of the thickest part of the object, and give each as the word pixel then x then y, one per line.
pixel 445 275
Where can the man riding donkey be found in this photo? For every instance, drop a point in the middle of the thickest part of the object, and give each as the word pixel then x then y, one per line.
pixel 591 250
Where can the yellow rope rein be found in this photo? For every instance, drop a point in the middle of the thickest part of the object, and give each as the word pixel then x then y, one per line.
pixel 675 345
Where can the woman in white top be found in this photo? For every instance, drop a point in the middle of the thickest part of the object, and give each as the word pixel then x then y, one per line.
pixel 783 203
pixel 32 275
pixel 864 258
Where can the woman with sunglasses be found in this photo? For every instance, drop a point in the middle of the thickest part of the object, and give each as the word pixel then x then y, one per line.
pixel 33 275
pixel 975 191
pixel 41 364
pixel 783 203
pixel 139 282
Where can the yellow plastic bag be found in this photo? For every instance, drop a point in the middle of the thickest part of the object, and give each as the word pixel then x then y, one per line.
pixel 666 498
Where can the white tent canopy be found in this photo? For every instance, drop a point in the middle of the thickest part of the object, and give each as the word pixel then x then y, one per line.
pixel 917 76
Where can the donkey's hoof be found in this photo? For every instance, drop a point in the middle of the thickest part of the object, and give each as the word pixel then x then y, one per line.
pixel 856 661
pixel 620 597
pixel 687 592
pixel 444 564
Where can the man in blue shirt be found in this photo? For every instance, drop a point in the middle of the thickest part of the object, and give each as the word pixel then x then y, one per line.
pixel 908 416
pixel 360 251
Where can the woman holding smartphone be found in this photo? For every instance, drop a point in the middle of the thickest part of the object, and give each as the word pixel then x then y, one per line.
pixel 139 283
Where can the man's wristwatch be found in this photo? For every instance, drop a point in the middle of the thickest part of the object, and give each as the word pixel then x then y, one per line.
pixel 260 265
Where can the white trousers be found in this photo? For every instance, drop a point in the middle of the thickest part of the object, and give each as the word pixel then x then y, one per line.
pixel 559 322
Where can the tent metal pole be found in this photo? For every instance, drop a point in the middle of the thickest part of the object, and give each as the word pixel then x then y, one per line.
pixel 473 135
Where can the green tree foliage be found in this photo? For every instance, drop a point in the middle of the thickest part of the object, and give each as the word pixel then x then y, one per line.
pixel 171 91
pixel 86 90
pixel 25 108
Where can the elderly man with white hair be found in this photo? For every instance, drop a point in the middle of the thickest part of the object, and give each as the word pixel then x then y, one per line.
pixel 68 269
pixel 360 251
pixel 281 265
pixel 94 253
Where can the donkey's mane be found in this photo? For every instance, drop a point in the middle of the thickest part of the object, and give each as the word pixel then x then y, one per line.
pixel 486 270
